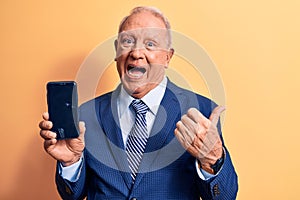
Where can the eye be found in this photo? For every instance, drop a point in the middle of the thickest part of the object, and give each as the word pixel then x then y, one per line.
pixel 150 45
pixel 127 42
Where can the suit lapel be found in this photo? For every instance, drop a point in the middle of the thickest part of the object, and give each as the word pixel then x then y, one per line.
pixel 164 122
pixel 111 127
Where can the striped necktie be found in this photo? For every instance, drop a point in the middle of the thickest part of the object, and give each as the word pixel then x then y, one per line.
pixel 137 137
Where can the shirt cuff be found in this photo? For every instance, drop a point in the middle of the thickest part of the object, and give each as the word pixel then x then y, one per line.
pixel 205 175
pixel 202 173
pixel 72 172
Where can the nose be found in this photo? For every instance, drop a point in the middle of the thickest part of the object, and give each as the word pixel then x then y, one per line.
pixel 137 53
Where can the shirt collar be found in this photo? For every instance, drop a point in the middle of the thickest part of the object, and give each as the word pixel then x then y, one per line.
pixel 152 99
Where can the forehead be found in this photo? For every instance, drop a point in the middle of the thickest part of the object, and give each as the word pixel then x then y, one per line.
pixel 143 19
pixel 158 33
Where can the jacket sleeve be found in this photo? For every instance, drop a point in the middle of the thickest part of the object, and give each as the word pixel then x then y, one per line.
pixel 222 187
pixel 72 190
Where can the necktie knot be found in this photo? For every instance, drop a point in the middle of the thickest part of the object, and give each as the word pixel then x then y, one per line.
pixel 140 107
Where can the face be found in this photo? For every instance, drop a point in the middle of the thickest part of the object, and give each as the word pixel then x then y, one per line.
pixel 143 53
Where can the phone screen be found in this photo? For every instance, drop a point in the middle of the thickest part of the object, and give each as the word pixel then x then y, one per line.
pixel 62 99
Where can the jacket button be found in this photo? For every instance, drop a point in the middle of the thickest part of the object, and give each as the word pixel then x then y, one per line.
pixel 216 190
pixel 133 198
pixel 68 190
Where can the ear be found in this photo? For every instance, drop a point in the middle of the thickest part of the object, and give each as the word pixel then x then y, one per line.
pixel 116 48
pixel 169 55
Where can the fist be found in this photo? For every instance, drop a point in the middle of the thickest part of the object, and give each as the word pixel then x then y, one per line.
pixel 200 137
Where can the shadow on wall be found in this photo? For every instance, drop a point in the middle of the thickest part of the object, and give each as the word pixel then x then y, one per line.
pixel 35 176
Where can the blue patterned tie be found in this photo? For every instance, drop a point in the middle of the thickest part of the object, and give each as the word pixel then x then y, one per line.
pixel 137 138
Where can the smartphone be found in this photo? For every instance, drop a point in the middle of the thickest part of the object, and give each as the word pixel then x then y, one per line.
pixel 62 100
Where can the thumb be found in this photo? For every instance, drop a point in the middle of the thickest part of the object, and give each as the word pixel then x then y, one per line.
pixel 214 117
pixel 81 130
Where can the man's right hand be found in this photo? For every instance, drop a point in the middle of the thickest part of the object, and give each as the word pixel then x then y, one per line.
pixel 66 151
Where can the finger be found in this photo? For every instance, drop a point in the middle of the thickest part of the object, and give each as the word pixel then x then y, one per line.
pixel 215 115
pixel 81 130
pixel 181 139
pixel 45 116
pixel 183 130
pixel 48 144
pixel 198 117
pixel 194 129
pixel 191 126
pixel 47 135
pixel 45 125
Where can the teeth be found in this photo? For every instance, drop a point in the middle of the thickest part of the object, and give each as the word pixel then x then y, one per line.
pixel 136 72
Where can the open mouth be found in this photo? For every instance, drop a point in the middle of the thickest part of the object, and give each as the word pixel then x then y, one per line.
pixel 136 71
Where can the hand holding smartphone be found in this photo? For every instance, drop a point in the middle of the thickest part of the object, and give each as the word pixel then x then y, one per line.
pixel 62 99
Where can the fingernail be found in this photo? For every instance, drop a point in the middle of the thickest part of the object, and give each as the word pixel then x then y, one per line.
pixel 49 124
pixel 52 134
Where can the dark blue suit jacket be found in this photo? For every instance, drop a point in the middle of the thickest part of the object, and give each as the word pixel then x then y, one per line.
pixel 167 171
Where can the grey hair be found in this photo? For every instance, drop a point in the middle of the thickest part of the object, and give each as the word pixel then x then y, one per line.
pixel 154 11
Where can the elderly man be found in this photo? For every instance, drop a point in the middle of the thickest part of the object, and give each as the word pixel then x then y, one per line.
pixel 148 139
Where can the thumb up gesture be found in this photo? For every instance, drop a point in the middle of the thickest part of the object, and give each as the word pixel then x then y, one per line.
pixel 200 137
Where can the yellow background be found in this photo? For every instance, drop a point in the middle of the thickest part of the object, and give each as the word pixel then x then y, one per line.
pixel 255 45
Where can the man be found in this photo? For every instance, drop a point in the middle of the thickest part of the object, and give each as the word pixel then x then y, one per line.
pixel 172 149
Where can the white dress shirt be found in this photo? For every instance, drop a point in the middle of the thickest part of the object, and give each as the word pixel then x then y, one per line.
pixel 152 99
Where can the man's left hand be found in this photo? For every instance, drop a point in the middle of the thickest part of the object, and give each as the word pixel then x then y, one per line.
pixel 200 136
